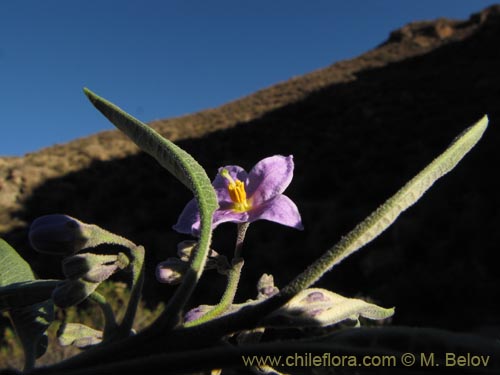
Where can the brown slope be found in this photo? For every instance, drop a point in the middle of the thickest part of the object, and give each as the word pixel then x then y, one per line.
pixel 19 176
pixel 358 130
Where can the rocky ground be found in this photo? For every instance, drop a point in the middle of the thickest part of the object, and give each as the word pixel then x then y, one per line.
pixel 358 130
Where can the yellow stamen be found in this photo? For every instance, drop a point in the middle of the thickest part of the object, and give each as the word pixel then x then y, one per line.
pixel 237 192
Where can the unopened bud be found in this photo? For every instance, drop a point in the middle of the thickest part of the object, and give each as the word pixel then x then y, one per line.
pixel 265 287
pixel 93 267
pixel 58 234
pixel 184 249
pixel 72 292
pixel 197 312
pixel 171 271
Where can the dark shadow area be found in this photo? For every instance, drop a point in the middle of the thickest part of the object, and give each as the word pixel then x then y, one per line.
pixel 354 145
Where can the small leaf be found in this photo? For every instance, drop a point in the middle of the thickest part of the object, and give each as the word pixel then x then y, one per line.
pixel 320 307
pixel 78 335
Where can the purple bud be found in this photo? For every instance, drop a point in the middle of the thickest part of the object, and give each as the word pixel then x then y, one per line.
pixel 265 287
pixel 171 271
pixel 57 234
pixel 315 297
pixel 197 313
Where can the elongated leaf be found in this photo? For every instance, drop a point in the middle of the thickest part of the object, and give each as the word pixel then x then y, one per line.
pixel 172 157
pixel 189 172
pixel 387 213
pixel 30 320
pixel 26 293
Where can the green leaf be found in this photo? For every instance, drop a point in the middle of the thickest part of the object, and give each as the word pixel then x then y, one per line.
pixel 31 323
pixel 13 268
pixel 320 307
pixel 26 293
pixel 29 320
pixel 177 161
pixel 187 170
pixel 78 335
pixel 388 212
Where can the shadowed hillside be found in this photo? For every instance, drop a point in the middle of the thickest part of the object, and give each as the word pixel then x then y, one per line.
pixel 358 131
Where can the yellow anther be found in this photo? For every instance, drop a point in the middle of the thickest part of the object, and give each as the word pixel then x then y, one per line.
pixel 237 193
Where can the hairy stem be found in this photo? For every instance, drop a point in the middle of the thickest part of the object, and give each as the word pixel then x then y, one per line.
pixel 135 296
pixel 109 317
pixel 232 283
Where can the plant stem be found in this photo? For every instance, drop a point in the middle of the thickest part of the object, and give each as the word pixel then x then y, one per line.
pixel 232 283
pixel 109 316
pixel 242 231
pixel 171 316
pixel 137 282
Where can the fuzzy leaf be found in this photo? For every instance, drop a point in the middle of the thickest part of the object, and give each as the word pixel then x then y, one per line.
pixel 177 161
pixel 30 321
pixel 388 212
pixel 13 268
pixel 320 307
pixel 78 335
pixel 187 170
pixel 26 293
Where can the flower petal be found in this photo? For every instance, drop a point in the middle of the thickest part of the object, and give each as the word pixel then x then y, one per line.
pixel 188 218
pixel 279 209
pixel 223 216
pixel 269 178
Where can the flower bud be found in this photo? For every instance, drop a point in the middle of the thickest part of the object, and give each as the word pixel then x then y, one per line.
pixel 265 287
pixel 72 292
pixel 184 249
pixel 58 234
pixel 93 267
pixel 171 271
pixel 197 312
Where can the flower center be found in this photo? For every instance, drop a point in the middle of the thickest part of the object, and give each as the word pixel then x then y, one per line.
pixel 237 193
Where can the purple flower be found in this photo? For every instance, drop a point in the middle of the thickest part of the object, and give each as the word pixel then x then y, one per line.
pixel 247 197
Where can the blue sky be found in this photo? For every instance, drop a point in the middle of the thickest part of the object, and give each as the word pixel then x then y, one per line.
pixel 159 59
